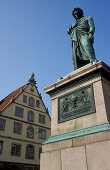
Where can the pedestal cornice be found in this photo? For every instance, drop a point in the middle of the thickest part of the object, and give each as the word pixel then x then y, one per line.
pixel 85 73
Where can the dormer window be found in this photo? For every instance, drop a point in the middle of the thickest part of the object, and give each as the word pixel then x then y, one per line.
pixel 19 112
pixel 24 99
pixel 31 101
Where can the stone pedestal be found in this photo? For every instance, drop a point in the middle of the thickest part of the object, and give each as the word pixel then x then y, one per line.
pixel 80 136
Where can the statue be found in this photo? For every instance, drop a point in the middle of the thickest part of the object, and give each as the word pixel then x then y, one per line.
pixel 82 38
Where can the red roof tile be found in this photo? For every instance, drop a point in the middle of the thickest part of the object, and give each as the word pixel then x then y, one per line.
pixel 7 100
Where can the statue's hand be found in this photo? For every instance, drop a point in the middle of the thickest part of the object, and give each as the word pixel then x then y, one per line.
pixel 91 36
pixel 69 29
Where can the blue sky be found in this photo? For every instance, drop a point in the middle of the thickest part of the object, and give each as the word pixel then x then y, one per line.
pixel 33 38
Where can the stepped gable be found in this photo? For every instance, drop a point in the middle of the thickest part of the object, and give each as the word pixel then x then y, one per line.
pixel 8 100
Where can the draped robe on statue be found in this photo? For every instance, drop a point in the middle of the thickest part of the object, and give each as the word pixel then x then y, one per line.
pixel 82 45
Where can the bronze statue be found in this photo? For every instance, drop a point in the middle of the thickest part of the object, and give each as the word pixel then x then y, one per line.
pixel 82 38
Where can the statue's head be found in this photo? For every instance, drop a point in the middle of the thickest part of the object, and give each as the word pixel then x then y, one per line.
pixel 77 13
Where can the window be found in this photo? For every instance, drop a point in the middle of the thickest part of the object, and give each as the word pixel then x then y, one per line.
pixel 40 151
pixel 25 99
pixel 41 119
pixel 30 116
pixel 2 124
pixel 30 132
pixel 37 103
pixel 32 90
pixel 16 149
pixel 42 134
pixel 30 152
pixel 19 112
pixel 17 128
pixel 31 102
pixel 1 146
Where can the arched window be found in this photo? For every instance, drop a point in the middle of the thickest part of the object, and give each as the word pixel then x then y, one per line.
pixel 31 101
pixel 30 116
pixel 30 151
pixel 30 132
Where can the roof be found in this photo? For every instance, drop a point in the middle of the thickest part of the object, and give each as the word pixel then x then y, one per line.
pixel 7 100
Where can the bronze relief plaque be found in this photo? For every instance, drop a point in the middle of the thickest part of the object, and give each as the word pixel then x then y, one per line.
pixel 76 104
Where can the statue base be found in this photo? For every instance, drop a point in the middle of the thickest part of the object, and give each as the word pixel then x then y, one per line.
pixel 80 136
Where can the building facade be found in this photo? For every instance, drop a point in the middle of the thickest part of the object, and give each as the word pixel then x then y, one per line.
pixel 24 126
